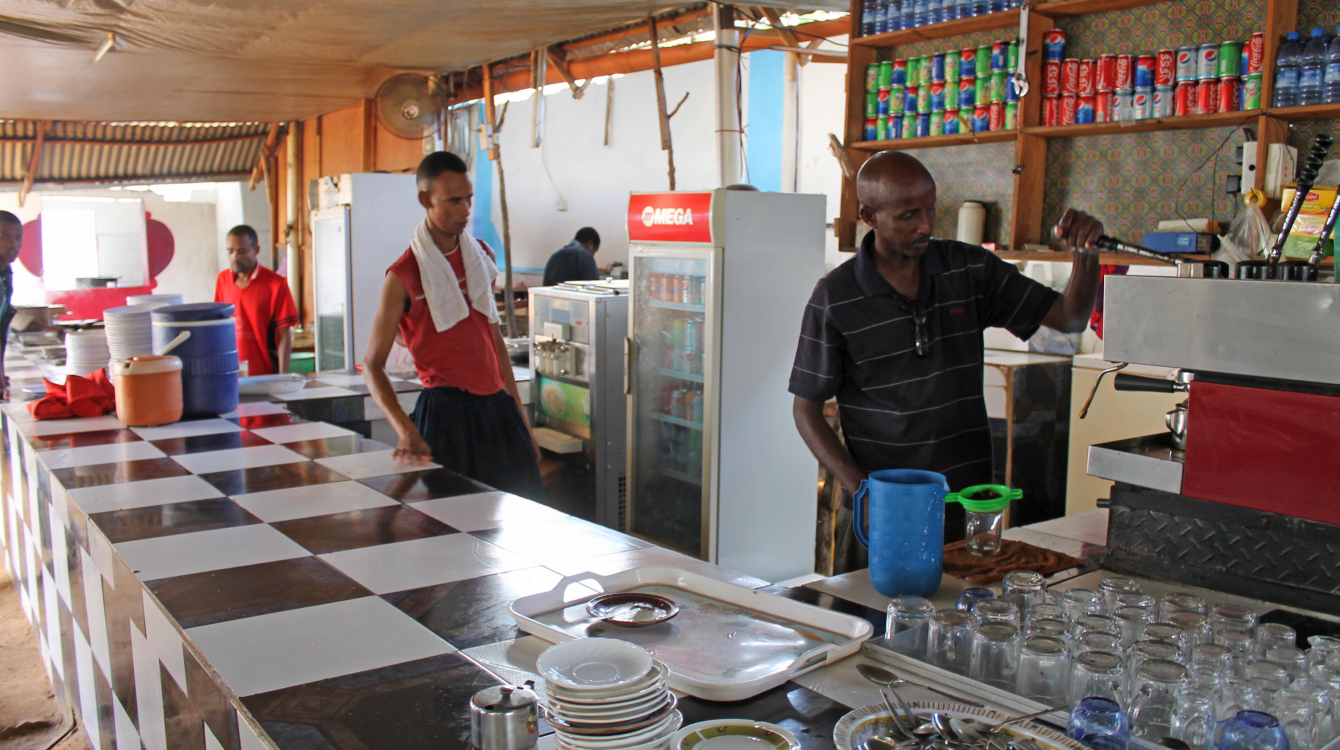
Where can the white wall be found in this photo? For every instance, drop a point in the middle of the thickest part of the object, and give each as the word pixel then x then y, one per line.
pixel 235 204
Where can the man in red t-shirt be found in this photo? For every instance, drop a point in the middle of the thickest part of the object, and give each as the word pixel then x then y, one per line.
pixel 264 307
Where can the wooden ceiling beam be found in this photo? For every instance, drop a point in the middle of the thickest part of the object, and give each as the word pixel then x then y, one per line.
pixel 34 160
pixel 103 142
pixel 271 142
pixel 556 58
pixel 639 29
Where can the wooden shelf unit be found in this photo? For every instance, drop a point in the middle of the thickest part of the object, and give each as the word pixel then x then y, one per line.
pixel 1111 259
pixel 1025 221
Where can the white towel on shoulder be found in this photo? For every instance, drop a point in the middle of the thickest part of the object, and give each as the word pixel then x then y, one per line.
pixel 441 288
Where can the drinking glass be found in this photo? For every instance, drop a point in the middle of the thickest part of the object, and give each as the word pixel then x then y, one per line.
pixel 1239 695
pixel 1100 724
pixel 995 655
pixel 1271 634
pixel 1098 641
pixel 1166 631
pixel 1142 652
pixel 1297 714
pixel 1025 588
pixel 1049 627
pixel 1196 626
pixel 1320 647
pixel 909 621
pixel 996 610
pixel 1252 730
pixel 1239 644
pixel 1181 601
pixel 1096 624
pixel 1096 673
pixel 969 598
pixel 1193 720
pixel 1291 658
pixel 1049 611
pixel 1208 676
pixel 1143 601
pixel 1267 674
pixel 1213 653
pixel 1325 727
pixel 949 643
pixel 1232 616
pixel 1156 684
pixel 1044 666
pixel 1111 587
pixel 1080 602
pixel 1132 621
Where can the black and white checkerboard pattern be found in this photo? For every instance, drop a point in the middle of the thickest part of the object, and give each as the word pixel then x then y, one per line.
pixel 259 581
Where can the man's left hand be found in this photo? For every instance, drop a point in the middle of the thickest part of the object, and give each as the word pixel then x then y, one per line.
pixel 1078 231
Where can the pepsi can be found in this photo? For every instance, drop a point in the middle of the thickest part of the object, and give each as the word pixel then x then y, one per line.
pixel 967 88
pixel 951 122
pixel 895 127
pixel 1163 101
pixel 981 118
pixel 999 56
pixel 899 73
pixel 1144 71
pixel 1207 62
pixel 937 96
pixel 937 122
pixel 871 129
pixel 1142 103
pixel 923 124
pixel 938 67
pixel 910 99
pixel 881 102
pixel 1085 109
pixel 1011 89
pixel 967 63
pixel 1186 63
pixel 1123 105
pixel 1053 44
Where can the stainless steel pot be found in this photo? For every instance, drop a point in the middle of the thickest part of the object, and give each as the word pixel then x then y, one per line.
pixel 1177 421
pixel 504 717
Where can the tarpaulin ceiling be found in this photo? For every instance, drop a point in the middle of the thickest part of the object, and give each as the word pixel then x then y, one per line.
pixel 249 60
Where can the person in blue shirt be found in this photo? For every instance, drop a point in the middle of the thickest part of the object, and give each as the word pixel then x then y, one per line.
pixel 11 241
pixel 576 261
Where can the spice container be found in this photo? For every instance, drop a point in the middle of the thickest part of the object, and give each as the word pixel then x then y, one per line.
pixel 504 717
pixel 985 505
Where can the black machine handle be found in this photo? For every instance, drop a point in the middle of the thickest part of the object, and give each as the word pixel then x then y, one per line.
pixel 1307 173
pixel 1123 381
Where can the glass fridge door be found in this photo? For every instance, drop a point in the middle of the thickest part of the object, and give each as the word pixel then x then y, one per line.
pixel 330 250
pixel 670 393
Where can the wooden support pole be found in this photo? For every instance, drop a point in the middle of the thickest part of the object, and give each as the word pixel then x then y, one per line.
pixel 556 56
pixel 490 114
pixel 34 160
pixel 775 21
pixel 509 305
pixel 271 140
pixel 662 115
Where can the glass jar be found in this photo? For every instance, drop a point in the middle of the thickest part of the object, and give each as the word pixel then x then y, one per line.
pixel 985 506
pixel 909 620
pixel 1024 587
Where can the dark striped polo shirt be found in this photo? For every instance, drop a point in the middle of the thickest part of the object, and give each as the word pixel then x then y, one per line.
pixel 900 410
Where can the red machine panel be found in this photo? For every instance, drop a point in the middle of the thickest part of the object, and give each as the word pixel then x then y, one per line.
pixel 1271 450
pixel 670 217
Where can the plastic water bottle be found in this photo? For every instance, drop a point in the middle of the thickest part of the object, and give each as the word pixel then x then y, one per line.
pixel 933 8
pixel 881 16
pixel 868 18
pixel 895 15
pixel 981 7
pixel 1287 70
pixel 949 11
pixel 1311 78
pixel 1333 70
pixel 967 8
pixel 921 12
pixel 908 14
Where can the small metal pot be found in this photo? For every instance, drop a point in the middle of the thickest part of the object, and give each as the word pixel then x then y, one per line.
pixel 504 717
pixel 1176 421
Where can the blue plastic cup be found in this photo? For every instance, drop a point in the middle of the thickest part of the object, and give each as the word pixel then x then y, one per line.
pixel 906 535
pixel 1100 724
pixel 1252 730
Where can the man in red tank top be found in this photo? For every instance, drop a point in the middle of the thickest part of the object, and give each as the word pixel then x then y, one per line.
pixel 468 417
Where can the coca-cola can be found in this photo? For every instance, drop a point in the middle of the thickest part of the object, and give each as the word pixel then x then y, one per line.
pixel 1186 63
pixel 1207 62
pixel 1163 101
pixel 1256 52
pixel 1144 71
pixel 1053 43
pixel 997 115
pixel 1207 96
pixel 1102 106
pixel 1087 76
pixel 1164 68
pixel 1125 72
pixel 1230 94
pixel 1142 103
pixel 1107 72
pixel 1070 76
pixel 1051 78
pixel 1184 99
pixel 1051 110
pixel 1069 104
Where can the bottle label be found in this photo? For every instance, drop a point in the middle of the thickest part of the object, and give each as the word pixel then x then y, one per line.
pixel 1333 73
pixel 1287 78
pixel 1311 78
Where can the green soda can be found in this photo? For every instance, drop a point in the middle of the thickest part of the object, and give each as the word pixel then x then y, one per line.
pixel 1251 92
pixel 924 98
pixel 912 71
pixel 909 125
pixel 1012 56
pixel 871 103
pixel 983 64
pixel 882 127
pixel 937 122
pixel 952 61
pixel 924 71
pixel 981 90
pixel 997 92
pixel 885 74
pixel 872 77
pixel 951 94
pixel 1011 115
pixel 897 99
pixel 1230 59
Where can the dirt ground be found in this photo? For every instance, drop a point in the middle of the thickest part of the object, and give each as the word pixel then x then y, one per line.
pixel 30 716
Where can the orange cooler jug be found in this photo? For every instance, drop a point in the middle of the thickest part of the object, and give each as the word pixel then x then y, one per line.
pixel 148 391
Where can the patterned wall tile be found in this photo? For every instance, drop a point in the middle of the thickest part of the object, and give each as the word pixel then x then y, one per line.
pixel 979 173
pixel 1314 13
pixel 944 45
pixel 1163 26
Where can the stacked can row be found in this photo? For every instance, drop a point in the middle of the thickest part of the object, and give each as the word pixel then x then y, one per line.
pixel 952 92
pixel 882 16
pixel 1192 80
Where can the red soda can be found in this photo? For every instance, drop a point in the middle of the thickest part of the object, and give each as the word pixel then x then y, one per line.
pixel 1107 72
pixel 1207 96
pixel 1051 110
pixel 1184 100
pixel 1256 52
pixel 1125 72
pixel 1230 94
pixel 1164 68
pixel 1102 106
pixel 1087 77
pixel 1051 78
pixel 997 115
pixel 1069 103
pixel 1070 76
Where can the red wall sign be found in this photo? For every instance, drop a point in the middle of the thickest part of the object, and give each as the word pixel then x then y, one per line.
pixel 670 217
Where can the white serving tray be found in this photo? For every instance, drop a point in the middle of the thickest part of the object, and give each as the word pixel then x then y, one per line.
pixel 728 642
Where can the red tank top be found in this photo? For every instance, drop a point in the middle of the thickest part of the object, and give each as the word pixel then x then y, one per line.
pixel 464 356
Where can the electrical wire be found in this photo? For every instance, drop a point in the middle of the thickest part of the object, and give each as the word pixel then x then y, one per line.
pixel 1177 194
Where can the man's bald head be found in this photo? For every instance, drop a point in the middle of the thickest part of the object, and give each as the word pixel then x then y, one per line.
pixel 888 175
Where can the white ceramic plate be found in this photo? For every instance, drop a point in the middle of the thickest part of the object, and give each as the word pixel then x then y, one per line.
pixel 594 664
pixel 269 385
pixel 734 734
pixel 652 736
pixel 591 713
pixel 654 682
pixel 860 725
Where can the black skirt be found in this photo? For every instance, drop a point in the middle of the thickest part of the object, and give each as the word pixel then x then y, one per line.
pixel 482 437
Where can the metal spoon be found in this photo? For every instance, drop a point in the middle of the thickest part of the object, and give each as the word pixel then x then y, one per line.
pixel 966 733
pixel 941 723
pixel 888 677
pixel 877 675
pixel 876 743
pixel 982 727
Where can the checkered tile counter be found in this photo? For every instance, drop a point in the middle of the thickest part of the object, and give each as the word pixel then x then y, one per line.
pixel 259 581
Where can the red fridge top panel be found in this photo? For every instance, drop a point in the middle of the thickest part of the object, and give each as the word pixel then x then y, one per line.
pixel 670 217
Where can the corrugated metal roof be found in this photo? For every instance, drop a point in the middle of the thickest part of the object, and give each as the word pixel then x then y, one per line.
pixel 119 152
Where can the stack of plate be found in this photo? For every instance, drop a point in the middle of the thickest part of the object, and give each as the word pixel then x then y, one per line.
pixel 605 694
pixel 86 351
pixel 154 300
pixel 129 331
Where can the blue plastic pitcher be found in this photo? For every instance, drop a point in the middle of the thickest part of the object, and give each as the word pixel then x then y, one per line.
pixel 907 526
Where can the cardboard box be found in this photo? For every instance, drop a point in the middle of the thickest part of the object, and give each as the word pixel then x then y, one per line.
pixel 1307 228
pixel 1179 242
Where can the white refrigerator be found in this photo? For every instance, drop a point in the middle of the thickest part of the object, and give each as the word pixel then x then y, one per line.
pixel 716 468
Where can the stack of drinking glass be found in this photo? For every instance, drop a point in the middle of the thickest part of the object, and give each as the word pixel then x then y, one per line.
pixel 1176 667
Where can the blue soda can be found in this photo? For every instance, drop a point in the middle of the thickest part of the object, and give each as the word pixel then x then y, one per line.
pixel 1011 89
pixel 938 67
pixel 967 93
pixel 923 124
pixel 999 56
pixel 895 127
pixel 981 118
pixel 910 102
pixel 1085 110
pixel 938 95
pixel 951 122
pixel 871 129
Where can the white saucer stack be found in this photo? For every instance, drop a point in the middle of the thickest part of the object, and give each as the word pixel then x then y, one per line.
pixel 129 331
pixel 606 694
pixel 86 351
pixel 154 300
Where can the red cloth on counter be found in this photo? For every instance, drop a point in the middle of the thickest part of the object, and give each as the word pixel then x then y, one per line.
pixel 90 396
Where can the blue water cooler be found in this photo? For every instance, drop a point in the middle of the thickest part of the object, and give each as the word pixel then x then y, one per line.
pixel 208 353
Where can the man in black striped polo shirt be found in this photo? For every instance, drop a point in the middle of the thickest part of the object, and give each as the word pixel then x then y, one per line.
pixel 895 334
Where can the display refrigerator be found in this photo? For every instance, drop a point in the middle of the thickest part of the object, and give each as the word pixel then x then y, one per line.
pixel 716 468
pixel 577 333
